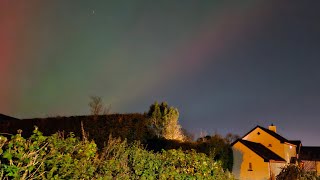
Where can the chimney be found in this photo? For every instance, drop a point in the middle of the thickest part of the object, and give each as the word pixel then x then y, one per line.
pixel 273 128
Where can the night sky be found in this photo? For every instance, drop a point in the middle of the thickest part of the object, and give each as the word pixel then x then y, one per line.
pixel 227 67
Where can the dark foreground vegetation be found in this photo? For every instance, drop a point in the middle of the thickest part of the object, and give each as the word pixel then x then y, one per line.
pixel 101 146
pixel 296 172
pixel 129 127
pixel 67 157
pixel 158 129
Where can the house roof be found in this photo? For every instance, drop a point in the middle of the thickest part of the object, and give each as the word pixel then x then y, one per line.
pixel 310 153
pixel 261 151
pixel 295 142
pixel 5 117
pixel 275 135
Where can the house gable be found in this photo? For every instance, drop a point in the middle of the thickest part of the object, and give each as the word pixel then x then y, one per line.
pixel 259 129
pixel 259 135
pixel 266 154
pixel 272 141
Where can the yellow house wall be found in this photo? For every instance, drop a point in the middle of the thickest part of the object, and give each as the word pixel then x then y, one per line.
pixel 281 149
pixel 289 151
pixel 242 157
pixel 318 168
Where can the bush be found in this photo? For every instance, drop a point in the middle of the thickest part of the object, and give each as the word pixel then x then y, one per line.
pixel 59 157
pixel 41 157
pixel 294 172
pixel 217 148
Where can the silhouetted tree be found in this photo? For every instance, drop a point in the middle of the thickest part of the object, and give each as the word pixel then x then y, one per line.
pixel 96 105
pixel 230 138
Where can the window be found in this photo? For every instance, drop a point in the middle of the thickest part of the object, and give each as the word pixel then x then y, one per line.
pixel 258 133
pixel 270 145
pixel 250 167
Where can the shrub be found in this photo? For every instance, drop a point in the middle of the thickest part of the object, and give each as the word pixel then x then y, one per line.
pixel 294 172
pixel 41 157
pixel 59 157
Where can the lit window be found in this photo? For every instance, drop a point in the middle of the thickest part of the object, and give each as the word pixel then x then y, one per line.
pixel 290 147
pixel 250 167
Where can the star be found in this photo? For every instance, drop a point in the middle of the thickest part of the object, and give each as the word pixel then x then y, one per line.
pixel 92 12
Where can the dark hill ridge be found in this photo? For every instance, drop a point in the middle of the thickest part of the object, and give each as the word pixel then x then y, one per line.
pixel 5 117
pixel 131 126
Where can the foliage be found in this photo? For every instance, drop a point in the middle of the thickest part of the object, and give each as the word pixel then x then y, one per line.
pixel 41 157
pixel 164 121
pixel 125 126
pixel 217 148
pixel 294 172
pixel 59 157
pixel 138 163
pixel 190 165
pixel 132 127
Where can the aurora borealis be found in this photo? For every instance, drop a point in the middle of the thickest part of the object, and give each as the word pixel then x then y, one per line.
pixel 227 67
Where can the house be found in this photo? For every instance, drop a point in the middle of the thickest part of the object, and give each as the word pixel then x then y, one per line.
pixel 261 153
